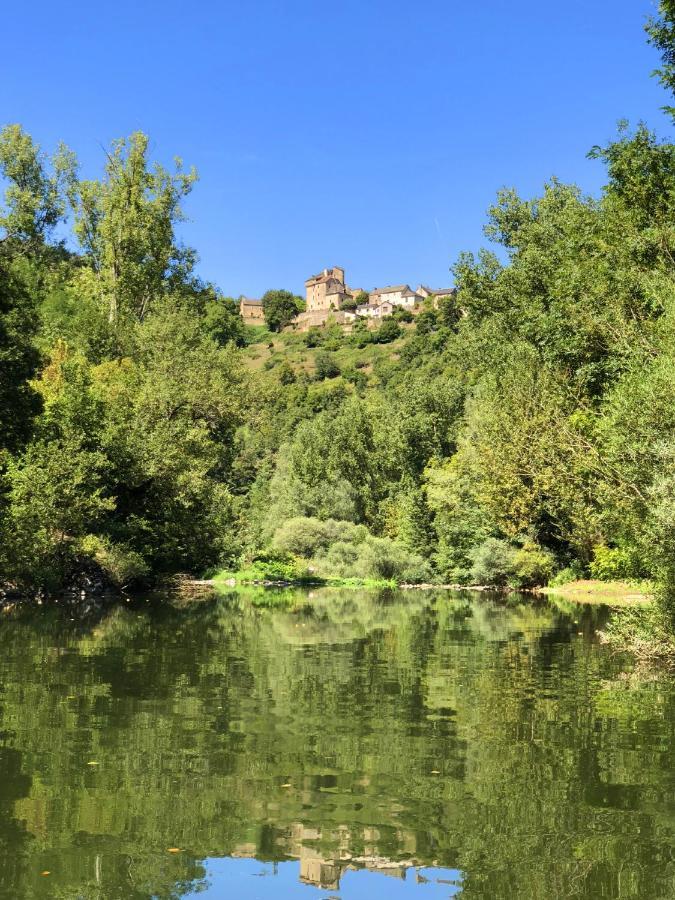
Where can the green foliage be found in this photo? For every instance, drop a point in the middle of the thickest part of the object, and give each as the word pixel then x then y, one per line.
pixel 493 563
pixel 223 322
pixel 614 564
pixel 301 536
pixel 125 224
pixel 19 403
pixel 34 200
pixel 532 566
pixel 325 366
pixel 280 307
pixel 661 32
pixel 526 422
pixel 388 331
pixel 567 575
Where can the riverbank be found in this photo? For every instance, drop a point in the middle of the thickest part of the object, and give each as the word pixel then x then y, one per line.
pixel 610 593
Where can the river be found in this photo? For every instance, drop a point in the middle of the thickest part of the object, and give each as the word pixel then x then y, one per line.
pixel 331 744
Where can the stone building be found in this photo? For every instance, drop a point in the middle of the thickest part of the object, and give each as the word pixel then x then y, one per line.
pixel 327 290
pixel 251 311
pixel 435 293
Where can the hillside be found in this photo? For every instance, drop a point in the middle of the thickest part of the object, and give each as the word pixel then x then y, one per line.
pixel 267 351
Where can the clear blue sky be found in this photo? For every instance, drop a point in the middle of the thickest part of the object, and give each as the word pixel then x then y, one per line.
pixel 370 134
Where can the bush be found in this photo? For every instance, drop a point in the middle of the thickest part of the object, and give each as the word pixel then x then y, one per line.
pixel 273 566
pixel 402 314
pixel 326 367
pixel 614 563
pixel 314 337
pixel 426 321
pixel 532 566
pixel 286 373
pixel 573 572
pixel 339 560
pixel 302 535
pixel 122 565
pixel 357 378
pixel 382 558
pixel 493 563
pixel 388 331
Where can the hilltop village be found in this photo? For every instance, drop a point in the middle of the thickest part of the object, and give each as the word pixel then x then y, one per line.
pixel 329 298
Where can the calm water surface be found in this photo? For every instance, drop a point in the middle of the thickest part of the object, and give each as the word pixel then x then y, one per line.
pixel 331 745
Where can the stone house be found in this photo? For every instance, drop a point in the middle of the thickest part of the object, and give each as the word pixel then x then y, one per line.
pixel 251 311
pixel 435 293
pixel 327 290
pixel 393 294
pixel 398 295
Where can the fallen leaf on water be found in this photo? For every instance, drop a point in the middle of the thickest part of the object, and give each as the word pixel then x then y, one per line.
pixel 174 850
pixel 46 872
pixel 286 785
pixel 92 763
pixel 435 772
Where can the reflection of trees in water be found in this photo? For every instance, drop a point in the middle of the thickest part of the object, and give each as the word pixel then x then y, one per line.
pixel 405 728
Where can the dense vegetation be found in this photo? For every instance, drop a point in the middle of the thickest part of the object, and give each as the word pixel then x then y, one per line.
pixel 524 427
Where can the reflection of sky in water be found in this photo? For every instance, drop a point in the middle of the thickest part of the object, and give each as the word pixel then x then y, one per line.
pixel 248 879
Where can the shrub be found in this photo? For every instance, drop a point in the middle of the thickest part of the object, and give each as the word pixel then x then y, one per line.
pixel 273 566
pixel 532 566
pixel 402 314
pixel 339 560
pixel 302 535
pixel 573 572
pixel 326 367
pixel 426 321
pixel 122 565
pixel 314 337
pixel 493 563
pixel 614 563
pixel 388 331
pixel 286 373
pixel 357 378
pixel 385 559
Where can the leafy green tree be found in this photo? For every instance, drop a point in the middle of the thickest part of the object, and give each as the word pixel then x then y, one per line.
pixel 126 227
pixel 325 366
pixel 388 331
pixel 661 32
pixel 222 320
pixel 280 307
pixel 19 359
pixel 34 201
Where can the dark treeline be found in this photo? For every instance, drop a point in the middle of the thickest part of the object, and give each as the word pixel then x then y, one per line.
pixel 523 428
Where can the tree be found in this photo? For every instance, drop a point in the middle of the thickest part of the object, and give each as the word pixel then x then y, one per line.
pixel 19 359
pixel 34 199
pixel 388 331
pixel 222 320
pixel 661 32
pixel 325 366
pixel 279 307
pixel 125 224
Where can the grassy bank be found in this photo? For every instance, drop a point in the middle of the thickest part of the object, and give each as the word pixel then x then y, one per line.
pixel 264 575
pixel 612 593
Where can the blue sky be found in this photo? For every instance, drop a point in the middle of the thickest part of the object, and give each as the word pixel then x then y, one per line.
pixel 370 134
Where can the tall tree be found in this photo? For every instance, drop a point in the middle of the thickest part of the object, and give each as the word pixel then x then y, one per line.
pixel 126 225
pixel 661 32
pixel 35 197
pixel 18 361
pixel 279 307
